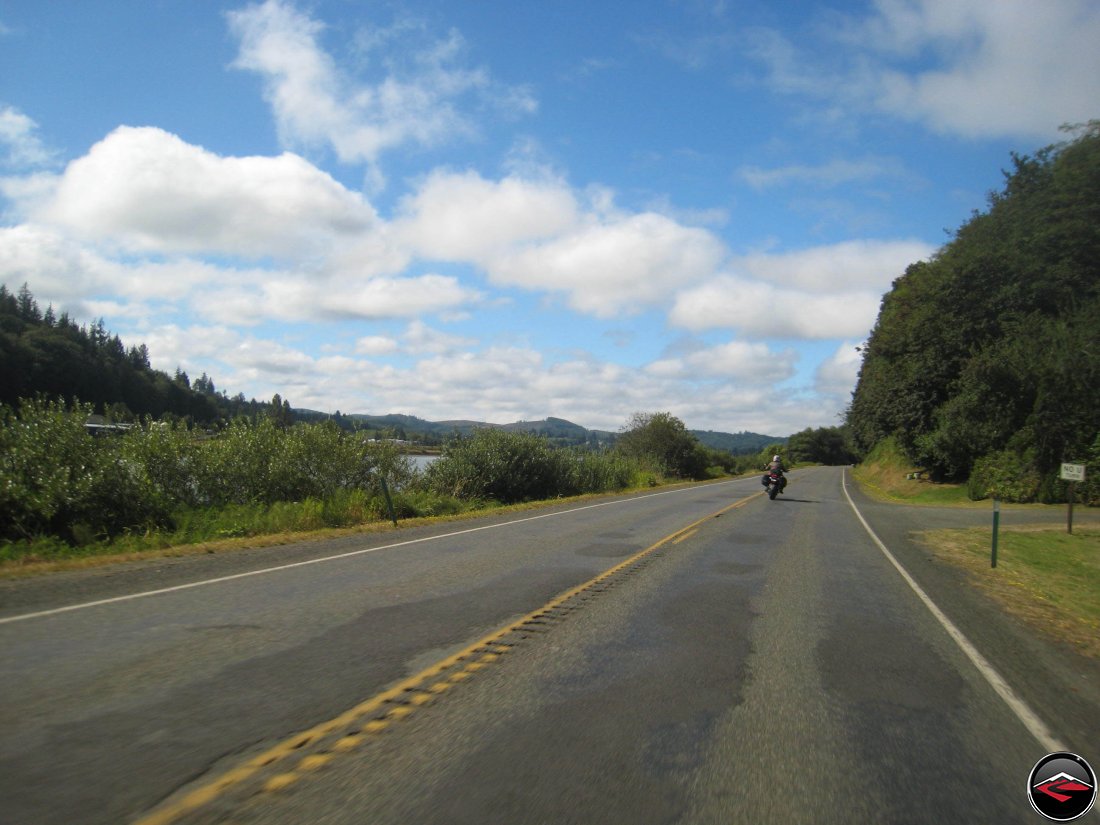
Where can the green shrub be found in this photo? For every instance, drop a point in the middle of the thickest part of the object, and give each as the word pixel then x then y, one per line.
pixel 661 443
pixel 427 503
pixel 508 467
pixel 56 479
pixel 1090 490
pixel 1005 475
pixel 501 465
pixel 603 472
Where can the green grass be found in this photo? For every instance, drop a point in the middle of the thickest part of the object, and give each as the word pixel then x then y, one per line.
pixel 239 526
pixel 1044 575
pixel 884 475
pixel 207 530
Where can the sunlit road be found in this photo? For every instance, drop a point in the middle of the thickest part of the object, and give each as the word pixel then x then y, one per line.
pixel 769 664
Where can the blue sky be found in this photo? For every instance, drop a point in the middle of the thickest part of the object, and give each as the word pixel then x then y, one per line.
pixel 508 210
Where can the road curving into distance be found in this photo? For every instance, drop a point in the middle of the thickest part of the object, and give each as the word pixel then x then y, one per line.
pixel 698 655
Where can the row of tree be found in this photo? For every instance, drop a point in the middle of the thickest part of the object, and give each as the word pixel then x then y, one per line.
pixel 984 362
pixel 43 353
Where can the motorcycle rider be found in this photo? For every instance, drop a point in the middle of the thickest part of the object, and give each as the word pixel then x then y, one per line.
pixel 776 466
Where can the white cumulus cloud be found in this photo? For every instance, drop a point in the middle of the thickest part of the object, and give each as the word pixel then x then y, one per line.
pixel 835 377
pixel 761 310
pixel 376 345
pixel 740 361
pixel 468 217
pixel 823 292
pixel 147 190
pixel 1006 67
pixel 608 266
pixel 857 264
pixel 19 142
pixel 963 67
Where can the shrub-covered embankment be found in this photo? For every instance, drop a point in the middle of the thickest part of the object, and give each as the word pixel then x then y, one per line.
pixel 64 492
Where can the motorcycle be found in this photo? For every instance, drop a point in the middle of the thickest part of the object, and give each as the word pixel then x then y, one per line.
pixel 775 484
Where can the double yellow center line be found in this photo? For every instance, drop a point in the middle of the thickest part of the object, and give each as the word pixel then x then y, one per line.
pixel 374 715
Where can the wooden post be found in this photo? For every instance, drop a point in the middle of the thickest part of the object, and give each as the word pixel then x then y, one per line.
pixel 1071 473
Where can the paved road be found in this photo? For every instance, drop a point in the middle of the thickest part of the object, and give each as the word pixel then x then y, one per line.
pixel 768 665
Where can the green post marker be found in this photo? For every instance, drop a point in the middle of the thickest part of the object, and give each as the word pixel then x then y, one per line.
pixel 996 524
pixel 1069 522
pixel 389 501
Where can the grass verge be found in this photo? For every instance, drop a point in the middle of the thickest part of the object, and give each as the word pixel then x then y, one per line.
pixel 884 475
pixel 245 529
pixel 1045 576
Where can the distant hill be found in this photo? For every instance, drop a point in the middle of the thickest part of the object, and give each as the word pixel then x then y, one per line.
pixel 744 443
pixel 557 430
pixel 41 353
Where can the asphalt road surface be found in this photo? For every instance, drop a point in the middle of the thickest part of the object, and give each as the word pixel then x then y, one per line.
pixel 694 655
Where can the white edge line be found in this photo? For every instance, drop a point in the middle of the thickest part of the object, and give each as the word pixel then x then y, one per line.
pixel 176 588
pixel 1036 727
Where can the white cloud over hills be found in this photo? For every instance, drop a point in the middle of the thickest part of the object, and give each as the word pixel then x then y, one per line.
pixel 482 289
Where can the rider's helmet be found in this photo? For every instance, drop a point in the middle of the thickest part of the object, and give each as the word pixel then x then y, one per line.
pixel 775 458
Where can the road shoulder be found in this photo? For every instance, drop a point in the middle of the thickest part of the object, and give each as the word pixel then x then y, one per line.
pixel 1059 683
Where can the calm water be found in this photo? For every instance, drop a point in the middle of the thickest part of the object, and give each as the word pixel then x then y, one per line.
pixel 420 462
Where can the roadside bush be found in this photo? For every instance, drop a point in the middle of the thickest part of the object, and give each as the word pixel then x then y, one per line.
pixel 263 463
pixel 591 472
pixel 235 467
pixel 56 479
pixel 1090 490
pixel 162 457
pixel 661 443
pixel 46 462
pixel 427 503
pixel 1005 475
pixel 510 467
pixel 500 465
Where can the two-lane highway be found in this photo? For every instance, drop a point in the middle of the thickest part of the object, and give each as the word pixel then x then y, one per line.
pixel 768 664
pixel 120 685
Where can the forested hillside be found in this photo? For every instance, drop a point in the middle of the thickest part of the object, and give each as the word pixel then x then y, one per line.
pixel 743 443
pixel 46 354
pixel 985 361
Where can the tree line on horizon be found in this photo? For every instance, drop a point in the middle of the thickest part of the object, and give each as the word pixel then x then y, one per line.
pixel 46 354
pixel 984 363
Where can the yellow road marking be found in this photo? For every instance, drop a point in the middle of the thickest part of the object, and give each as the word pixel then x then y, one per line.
pixel 280 782
pixel 315 761
pixel 207 793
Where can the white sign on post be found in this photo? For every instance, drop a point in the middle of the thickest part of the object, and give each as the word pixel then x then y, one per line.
pixel 1073 472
